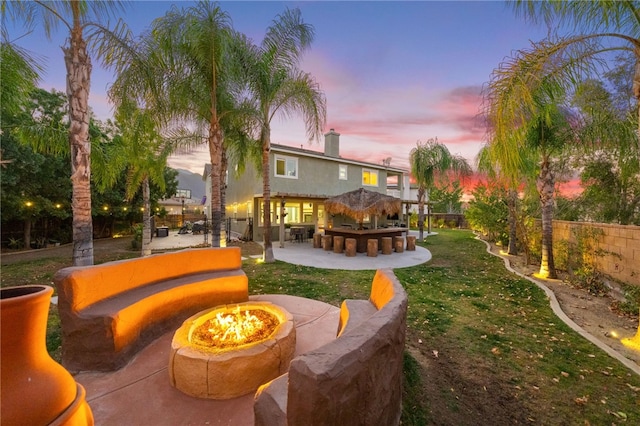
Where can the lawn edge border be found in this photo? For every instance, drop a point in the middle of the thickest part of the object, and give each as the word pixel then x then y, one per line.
pixel 555 306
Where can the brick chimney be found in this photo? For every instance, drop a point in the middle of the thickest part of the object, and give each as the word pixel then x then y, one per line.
pixel 332 144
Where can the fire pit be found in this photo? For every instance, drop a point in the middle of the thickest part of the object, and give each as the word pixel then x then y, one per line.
pixel 231 350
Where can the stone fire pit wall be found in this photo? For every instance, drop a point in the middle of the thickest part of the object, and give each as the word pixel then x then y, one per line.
pixel 355 379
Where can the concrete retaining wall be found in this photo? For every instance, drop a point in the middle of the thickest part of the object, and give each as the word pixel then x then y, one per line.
pixel 620 242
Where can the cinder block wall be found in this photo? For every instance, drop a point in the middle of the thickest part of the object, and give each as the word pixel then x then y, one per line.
pixel 623 240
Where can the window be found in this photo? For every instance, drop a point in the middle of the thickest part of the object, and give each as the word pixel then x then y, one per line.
pixel 287 167
pixel 342 171
pixel 369 177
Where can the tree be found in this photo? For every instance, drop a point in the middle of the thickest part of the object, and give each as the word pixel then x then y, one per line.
pixel 427 161
pixel 179 72
pixel 144 152
pixel 487 212
pixel 76 17
pixel 603 27
pixel 447 199
pixel 610 164
pixel 276 85
pixel 19 77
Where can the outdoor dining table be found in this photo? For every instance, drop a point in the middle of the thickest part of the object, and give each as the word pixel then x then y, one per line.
pixel 363 235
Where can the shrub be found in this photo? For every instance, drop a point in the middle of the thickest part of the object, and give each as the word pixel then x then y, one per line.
pixel 488 213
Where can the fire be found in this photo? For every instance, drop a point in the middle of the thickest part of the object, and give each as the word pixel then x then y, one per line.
pixel 229 329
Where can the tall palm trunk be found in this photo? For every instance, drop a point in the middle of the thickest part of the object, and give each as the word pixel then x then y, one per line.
pixel 428 194
pixel 545 185
pixel 223 198
pixel 78 66
pixel 146 218
pixel 636 82
pixel 266 194
pixel 421 214
pixel 513 221
pixel 215 152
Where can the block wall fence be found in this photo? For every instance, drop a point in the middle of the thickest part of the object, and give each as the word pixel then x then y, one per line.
pixel 624 240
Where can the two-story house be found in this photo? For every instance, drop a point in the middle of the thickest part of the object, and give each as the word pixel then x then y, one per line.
pixel 301 180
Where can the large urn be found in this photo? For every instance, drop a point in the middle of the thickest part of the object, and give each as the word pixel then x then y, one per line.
pixel 35 389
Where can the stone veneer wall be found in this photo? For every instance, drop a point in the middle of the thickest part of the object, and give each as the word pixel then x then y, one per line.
pixel 356 379
pixel 624 240
pixel 353 380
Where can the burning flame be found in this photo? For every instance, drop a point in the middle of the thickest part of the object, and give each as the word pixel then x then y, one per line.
pixel 228 328
pixel 235 326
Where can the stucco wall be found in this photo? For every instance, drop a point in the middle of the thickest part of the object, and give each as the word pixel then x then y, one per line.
pixel 620 242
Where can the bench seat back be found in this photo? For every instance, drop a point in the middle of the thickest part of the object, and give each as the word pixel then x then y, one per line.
pixel 83 286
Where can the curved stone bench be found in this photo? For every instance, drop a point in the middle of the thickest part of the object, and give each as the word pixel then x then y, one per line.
pixel 355 379
pixel 109 312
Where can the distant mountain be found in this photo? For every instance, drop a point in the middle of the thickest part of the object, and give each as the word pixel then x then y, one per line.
pixel 193 181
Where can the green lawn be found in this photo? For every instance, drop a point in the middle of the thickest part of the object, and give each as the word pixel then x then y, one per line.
pixel 483 345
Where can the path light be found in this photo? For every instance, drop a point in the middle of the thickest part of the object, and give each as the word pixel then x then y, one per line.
pixel 633 342
pixel 29 204
pixel 58 206
pixel 105 208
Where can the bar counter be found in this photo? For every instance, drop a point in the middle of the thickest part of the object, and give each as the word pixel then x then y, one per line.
pixel 362 235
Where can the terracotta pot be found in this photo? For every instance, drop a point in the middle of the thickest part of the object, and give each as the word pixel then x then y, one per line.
pixel 36 390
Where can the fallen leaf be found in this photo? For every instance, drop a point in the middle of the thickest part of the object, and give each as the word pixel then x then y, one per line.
pixel 495 351
pixel 435 353
pixel 581 400
pixel 634 388
pixel 619 414
pixel 564 374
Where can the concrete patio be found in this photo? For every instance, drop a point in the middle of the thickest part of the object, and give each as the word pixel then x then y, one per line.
pixel 303 253
pixel 141 394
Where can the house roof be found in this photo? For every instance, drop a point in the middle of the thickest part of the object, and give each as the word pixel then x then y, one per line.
pixel 318 154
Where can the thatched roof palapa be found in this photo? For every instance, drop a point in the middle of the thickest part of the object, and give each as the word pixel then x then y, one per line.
pixel 360 203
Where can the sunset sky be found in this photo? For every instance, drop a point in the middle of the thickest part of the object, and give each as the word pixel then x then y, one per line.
pixel 393 73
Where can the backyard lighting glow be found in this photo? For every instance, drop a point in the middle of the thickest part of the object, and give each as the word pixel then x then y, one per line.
pixel 632 343
pixel 58 206
pixel 28 204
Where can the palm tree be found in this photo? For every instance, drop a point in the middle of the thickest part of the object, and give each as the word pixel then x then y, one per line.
pixel 143 153
pixel 277 85
pixel 427 161
pixel 602 26
pixel 77 17
pixel 485 164
pixel 176 72
pixel 542 127
pixel 489 162
pixel 19 77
